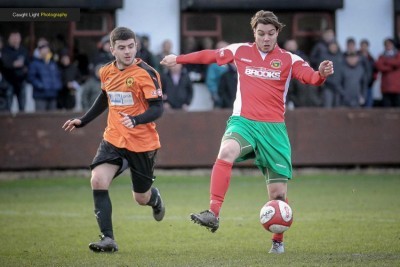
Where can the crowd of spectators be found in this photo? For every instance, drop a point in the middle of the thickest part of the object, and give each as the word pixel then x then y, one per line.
pixel 57 77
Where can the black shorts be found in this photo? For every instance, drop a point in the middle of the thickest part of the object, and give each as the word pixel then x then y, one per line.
pixel 141 164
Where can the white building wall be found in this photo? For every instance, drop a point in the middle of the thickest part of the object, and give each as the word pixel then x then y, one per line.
pixel 159 19
pixel 370 19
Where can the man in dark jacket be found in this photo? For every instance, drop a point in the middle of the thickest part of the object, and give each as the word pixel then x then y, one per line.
pixel 70 77
pixel 45 78
pixel 15 66
pixel 354 83
pixel 177 88
pixel 332 89
pixel 228 86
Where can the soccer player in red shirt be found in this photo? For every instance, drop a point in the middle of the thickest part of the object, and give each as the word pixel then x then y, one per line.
pixel 256 128
pixel 131 90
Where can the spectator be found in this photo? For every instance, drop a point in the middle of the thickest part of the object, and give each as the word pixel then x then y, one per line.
pixel 389 65
pixel 71 78
pixel 372 72
pixel 207 43
pixel 320 49
pixel 351 46
pixel 300 94
pixel 353 81
pixel 58 45
pixel 228 86
pixel 292 46
pixel 45 78
pixel 144 50
pixel 15 66
pixel 83 63
pixel 166 49
pixel 177 88
pixel 190 45
pixel 332 89
pixel 6 92
pixel 91 88
pixel 213 76
pixel 104 55
pixel 1 53
pixel 196 72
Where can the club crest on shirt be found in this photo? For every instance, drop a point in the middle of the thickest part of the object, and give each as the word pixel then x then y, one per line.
pixel 276 63
pixel 129 82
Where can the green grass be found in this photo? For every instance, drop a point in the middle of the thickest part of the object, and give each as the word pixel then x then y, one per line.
pixel 339 220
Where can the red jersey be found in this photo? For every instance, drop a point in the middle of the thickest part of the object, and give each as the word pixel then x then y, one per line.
pixel 263 78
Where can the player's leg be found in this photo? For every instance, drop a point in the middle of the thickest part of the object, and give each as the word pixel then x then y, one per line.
pixel 277 190
pixel 221 173
pixel 142 175
pixel 102 176
pixel 105 166
pixel 232 147
pixel 274 159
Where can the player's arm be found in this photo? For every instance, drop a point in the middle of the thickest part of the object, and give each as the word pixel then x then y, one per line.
pixel 201 57
pixel 305 74
pixel 155 110
pixel 98 107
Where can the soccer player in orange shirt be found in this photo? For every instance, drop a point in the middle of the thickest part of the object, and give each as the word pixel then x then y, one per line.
pixel 131 90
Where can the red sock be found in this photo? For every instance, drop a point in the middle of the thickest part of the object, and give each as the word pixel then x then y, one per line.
pixel 220 178
pixel 279 237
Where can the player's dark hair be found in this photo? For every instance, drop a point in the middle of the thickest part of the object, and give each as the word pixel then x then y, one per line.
pixel 266 17
pixel 121 33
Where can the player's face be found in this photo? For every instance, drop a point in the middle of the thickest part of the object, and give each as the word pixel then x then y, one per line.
pixel 124 52
pixel 266 36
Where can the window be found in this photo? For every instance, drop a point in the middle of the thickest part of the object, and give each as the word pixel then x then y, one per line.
pixel 307 28
pixel 234 27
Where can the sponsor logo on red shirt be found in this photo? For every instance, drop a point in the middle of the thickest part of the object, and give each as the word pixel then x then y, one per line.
pixel 263 73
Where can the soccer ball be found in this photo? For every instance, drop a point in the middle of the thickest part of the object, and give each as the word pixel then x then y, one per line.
pixel 276 216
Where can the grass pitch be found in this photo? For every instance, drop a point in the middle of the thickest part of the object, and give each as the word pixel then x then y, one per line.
pixel 339 220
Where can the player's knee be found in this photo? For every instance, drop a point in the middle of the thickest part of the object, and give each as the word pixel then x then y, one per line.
pixel 229 153
pixel 98 182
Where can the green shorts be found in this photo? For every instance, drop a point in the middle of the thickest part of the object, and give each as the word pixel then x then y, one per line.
pixel 266 142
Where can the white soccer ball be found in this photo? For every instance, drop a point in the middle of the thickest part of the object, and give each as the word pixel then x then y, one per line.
pixel 276 216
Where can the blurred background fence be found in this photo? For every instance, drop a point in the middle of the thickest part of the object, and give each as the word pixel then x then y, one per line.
pixel 319 138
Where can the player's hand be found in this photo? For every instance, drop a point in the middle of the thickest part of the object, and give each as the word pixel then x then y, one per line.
pixel 127 120
pixel 169 61
pixel 326 68
pixel 71 124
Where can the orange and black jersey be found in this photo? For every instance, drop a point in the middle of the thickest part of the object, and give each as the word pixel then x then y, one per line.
pixel 129 91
